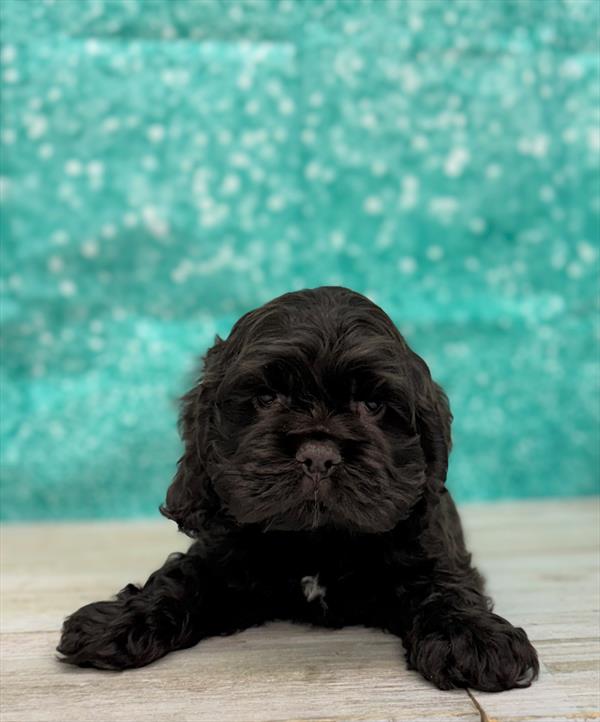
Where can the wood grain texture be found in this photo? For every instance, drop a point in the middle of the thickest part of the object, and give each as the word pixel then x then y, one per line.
pixel 540 558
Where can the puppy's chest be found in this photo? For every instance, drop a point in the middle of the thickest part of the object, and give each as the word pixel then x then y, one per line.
pixel 330 592
pixel 321 582
pixel 313 590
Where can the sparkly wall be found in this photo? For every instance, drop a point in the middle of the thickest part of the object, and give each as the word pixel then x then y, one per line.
pixel 168 165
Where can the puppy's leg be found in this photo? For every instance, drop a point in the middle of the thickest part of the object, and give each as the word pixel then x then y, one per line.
pixel 184 601
pixel 455 640
pixel 446 621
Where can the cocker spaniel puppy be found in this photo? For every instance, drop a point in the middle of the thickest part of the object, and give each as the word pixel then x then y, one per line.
pixel 313 483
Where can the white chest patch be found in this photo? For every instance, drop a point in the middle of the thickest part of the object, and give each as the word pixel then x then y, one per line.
pixel 313 590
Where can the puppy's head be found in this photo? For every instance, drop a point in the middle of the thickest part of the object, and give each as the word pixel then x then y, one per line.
pixel 314 412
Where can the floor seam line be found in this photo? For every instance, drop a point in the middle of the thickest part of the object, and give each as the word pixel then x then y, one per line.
pixel 482 713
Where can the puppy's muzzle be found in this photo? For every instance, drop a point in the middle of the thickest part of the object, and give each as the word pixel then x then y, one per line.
pixel 318 458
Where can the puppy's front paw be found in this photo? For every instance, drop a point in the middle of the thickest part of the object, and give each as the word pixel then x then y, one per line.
pixel 108 635
pixel 477 649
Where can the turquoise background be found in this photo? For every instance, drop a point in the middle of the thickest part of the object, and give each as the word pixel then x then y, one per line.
pixel 168 165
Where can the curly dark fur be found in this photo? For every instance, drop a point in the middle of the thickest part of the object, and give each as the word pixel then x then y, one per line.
pixel 359 529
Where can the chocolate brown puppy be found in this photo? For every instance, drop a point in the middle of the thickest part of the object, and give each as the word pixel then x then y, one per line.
pixel 313 484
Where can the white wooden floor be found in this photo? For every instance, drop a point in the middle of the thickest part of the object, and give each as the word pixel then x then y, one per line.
pixel 541 559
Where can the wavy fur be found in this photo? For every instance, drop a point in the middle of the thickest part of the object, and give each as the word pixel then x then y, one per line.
pixel 379 530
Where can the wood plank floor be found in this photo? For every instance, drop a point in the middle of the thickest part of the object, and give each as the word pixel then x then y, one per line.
pixel 541 560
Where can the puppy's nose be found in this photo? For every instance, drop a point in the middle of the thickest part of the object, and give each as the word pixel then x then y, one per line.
pixel 318 458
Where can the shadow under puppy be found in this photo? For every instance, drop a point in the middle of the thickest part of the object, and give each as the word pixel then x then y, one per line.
pixel 313 483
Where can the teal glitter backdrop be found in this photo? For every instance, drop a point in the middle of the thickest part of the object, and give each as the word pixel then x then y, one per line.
pixel 168 165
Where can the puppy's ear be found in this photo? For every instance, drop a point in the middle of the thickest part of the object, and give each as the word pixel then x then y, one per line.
pixel 191 501
pixel 433 421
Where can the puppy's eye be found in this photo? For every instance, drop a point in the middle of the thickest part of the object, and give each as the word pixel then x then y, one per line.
pixel 373 407
pixel 265 399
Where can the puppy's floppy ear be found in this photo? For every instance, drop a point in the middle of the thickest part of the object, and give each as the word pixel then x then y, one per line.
pixel 433 421
pixel 191 500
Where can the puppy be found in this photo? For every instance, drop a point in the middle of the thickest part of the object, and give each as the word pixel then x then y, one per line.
pixel 313 482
